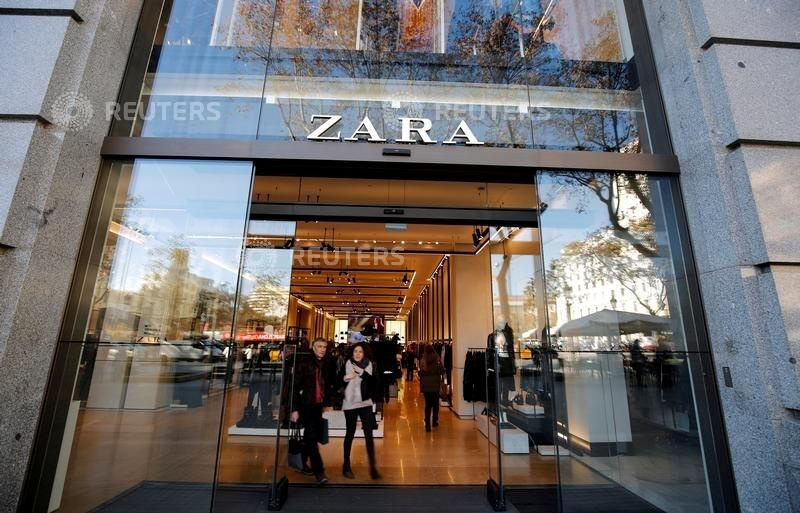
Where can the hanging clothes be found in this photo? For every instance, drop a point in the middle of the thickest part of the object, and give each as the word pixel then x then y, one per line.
pixel 474 380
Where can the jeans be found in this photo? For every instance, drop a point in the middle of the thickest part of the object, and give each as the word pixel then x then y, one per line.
pixel 311 418
pixel 368 424
pixel 431 406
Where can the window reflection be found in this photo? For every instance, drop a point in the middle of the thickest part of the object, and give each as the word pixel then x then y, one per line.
pixel 607 263
pixel 522 73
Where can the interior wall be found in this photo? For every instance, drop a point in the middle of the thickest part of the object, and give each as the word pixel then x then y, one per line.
pixel 471 315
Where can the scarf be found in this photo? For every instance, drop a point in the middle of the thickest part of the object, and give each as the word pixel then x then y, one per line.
pixel 362 364
pixel 319 396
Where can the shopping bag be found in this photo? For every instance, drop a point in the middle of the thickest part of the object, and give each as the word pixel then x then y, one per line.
pixel 296 449
pixel 324 437
pixel 444 391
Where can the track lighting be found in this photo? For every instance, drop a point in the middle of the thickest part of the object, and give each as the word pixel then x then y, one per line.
pixel 289 244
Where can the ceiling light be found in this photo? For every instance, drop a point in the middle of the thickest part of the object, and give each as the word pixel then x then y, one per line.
pixel 289 244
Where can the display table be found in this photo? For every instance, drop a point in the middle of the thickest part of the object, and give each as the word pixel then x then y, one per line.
pixel 512 440
pixel 597 403
pixel 532 420
pixel 149 386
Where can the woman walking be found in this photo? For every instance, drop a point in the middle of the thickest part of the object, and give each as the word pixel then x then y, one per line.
pixel 430 382
pixel 357 403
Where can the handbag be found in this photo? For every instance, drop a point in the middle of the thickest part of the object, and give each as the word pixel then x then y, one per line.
pixel 444 391
pixel 368 386
pixel 296 449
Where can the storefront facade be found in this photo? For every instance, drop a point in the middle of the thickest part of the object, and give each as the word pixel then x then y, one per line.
pixel 238 121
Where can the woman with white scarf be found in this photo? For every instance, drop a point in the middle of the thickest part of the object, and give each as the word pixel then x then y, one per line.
pixel 359 375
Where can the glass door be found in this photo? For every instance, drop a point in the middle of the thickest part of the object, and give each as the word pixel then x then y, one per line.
pixel 523 462
pixel 254 436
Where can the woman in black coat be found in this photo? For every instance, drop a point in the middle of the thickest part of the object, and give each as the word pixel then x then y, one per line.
pixel 430 382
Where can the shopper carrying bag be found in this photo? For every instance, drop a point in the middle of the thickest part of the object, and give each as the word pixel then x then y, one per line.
pixel 431 373
pixel 308 398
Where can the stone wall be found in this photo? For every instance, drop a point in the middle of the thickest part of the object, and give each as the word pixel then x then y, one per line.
pixel 729 72
pixel 51 48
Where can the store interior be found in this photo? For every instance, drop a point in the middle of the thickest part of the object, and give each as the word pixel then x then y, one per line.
pixel 398 287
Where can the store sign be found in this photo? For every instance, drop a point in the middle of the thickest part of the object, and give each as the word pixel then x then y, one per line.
pixel 412 130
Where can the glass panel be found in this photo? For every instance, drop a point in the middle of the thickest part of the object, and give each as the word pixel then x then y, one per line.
pixel 143 421
pixel 206 72
pixel 254 435
pixel 445 60
pixel 625 397
pixel 523 395
pixel 520 73
pixel 584 86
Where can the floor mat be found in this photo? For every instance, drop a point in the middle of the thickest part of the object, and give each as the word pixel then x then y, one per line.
pixel 580 499
pixel 154 497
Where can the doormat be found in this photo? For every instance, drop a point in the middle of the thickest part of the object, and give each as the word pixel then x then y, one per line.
pixel 580 499
pixel 165 497
pixel 160 497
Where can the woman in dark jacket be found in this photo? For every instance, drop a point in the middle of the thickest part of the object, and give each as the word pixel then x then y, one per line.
pixel 430 382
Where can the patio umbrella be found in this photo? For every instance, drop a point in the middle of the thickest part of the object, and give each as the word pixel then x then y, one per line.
pixel 612 322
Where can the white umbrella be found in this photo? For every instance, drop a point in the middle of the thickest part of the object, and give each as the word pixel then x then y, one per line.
pixel 607 323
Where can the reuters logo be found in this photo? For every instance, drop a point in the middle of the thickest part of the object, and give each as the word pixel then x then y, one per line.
pixel 72 111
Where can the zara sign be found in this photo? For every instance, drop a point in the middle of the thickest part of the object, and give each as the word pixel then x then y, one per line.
pixel 412 130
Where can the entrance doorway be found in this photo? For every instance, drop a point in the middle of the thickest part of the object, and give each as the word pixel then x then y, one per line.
pixel 408 273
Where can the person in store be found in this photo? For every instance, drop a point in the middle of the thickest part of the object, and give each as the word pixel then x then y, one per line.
pixel 359 374
pixel 308 399
pixel 430 373
pixel 410 363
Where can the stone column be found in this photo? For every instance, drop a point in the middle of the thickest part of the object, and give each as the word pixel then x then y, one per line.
pixel 729 72
pixel 62 60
